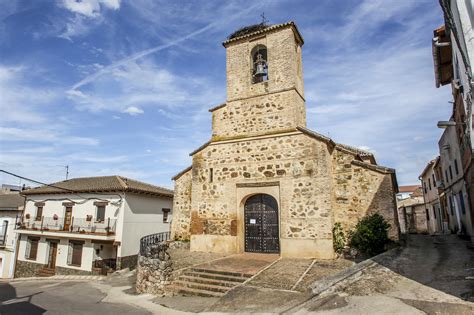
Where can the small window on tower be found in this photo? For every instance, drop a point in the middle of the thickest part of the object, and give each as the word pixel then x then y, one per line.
pixel 259 64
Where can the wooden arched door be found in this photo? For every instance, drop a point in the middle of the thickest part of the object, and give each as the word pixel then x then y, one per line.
pixel 261 224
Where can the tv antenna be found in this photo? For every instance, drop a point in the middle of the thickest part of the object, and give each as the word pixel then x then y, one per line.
pixel 67 170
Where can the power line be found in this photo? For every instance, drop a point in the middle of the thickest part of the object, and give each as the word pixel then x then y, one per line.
pixel 57 187
pixel 35 181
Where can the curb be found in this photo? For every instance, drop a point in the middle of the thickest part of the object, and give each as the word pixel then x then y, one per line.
pixel 59 278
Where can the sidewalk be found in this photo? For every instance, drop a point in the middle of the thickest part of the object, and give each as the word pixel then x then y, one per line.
pixel 61 277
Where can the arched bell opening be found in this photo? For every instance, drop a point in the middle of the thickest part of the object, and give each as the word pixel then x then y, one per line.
pixel 261 224
pixel 259 64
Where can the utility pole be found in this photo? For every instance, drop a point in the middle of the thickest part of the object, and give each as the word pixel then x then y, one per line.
pixel 67 171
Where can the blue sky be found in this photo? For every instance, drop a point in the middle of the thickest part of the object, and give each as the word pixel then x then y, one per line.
pixel 124 87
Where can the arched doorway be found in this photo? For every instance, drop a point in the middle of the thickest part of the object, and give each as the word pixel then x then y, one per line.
pixel 261 224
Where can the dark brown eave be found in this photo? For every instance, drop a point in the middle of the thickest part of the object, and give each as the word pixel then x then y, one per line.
pixel 427 167
pixel 200 148
pixel 101 191
pixel 187 169
pixel 442 57
pixel 380 169
pixel 316 135
pixel 268 30
pixel 217 107
pixel 377 168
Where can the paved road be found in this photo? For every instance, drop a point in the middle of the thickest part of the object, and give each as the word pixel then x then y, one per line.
pixel 39 297
pixel 426 277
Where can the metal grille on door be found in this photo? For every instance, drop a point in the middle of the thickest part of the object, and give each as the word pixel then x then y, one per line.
pixel 261 224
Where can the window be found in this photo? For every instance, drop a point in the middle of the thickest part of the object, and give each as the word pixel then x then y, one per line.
pixel 100 217
pixel 427 215
pixel 456 169
pixel 3 232
pixel 74 255
pixel 461 201
pixel 259 64
pixel 429 183
pixel 39 213
pixel 165 214
pixel 446 176
pixel 32 248
pixel 450 172
pixel 424 186
pixel 434 180
pixel 211 175
pixel 451 205
pixel 434 212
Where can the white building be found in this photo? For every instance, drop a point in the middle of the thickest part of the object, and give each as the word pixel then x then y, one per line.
pixel 453 55
pixel 11 206
pixel 434 213
pixel 88 225
pixel 454 190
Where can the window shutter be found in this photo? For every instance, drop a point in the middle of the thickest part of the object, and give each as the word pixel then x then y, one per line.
pixel 28 248
pixel 69 253
pixel 34 248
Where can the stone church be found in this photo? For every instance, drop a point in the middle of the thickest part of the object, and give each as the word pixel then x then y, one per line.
pixel 264 182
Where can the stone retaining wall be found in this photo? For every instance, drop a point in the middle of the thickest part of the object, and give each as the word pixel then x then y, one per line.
pixel 27 269
pixel 153 275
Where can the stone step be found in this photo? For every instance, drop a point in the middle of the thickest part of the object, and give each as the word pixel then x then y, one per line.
pixel 46 272
pixel 190 291
pixel 221 272
pixel 202 286
pixel 204 280
pixel 215 276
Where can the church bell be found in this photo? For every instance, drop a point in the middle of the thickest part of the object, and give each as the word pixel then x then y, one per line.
pixel 260 65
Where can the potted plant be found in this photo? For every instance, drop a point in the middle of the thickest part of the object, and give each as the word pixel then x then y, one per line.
pixel 55 217
pixel 27 215
pixel 89 218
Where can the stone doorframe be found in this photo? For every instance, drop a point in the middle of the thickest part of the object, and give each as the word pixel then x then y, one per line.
pixel 243 192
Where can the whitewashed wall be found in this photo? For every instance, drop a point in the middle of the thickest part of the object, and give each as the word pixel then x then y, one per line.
pixel 61 258
pixel 54 205
pixel 142 216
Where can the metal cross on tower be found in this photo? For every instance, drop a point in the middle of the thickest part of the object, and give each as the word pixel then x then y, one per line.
pixel 264 19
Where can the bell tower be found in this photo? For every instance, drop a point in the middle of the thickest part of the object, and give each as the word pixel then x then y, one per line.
pixel 265 91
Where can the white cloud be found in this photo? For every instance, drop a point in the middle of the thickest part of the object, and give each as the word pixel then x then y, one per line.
pixel 90 8
pixel 133 111
pixel 88 15
pixel 139 86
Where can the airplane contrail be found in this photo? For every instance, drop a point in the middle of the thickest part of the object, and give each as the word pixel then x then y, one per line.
pixel 149 51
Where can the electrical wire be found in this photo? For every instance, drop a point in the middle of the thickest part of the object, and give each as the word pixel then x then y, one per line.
pixel 65 189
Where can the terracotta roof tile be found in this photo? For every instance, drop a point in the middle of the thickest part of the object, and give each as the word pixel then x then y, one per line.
pixel 11 201
pixel 99 184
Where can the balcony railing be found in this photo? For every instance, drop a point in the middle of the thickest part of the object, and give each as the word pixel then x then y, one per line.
pixel 72 225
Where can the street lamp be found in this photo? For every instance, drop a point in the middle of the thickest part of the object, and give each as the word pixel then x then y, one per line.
pixel 446 124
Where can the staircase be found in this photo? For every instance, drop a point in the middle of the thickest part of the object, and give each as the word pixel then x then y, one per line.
pixel 46 272
pixel 207 282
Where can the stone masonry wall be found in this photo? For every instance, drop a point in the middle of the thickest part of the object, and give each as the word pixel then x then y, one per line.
pixel 359 191
pixel 25 269
pixel 182 208
pixel 284 65
pixel 301 164
pixel 259 115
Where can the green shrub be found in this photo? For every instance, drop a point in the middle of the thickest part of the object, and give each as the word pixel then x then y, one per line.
pixel 338 238
pixel 370 235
